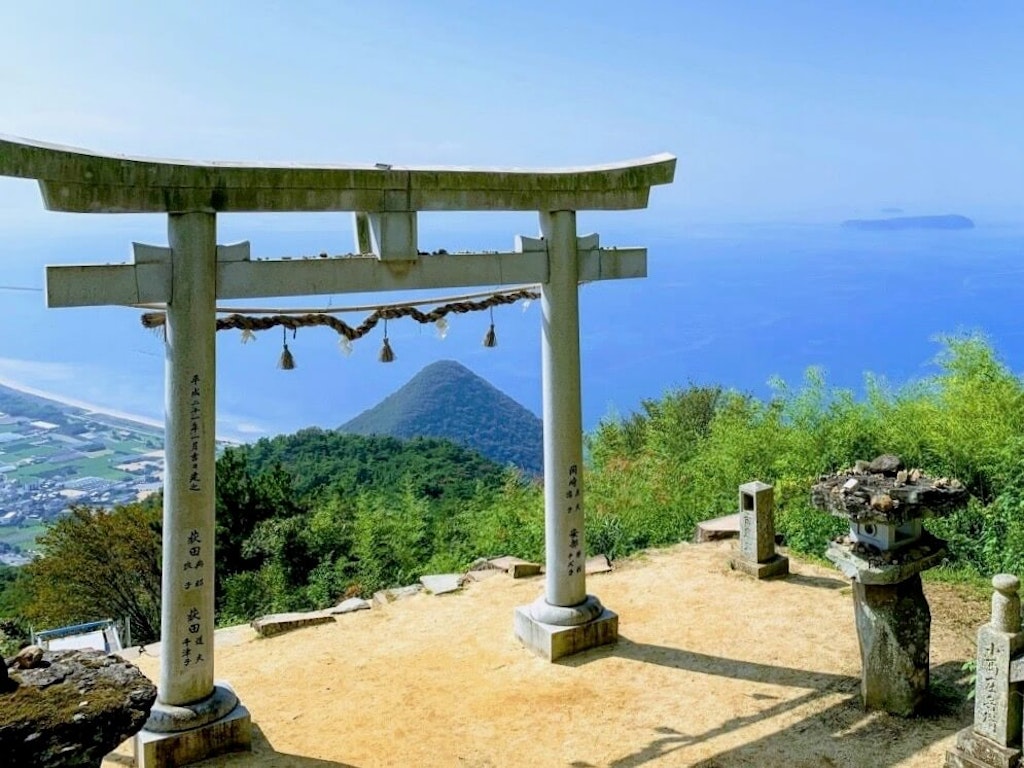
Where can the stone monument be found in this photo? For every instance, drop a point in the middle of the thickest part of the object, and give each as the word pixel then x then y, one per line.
pixel 884 554
pixel 994 741
pixel 756 554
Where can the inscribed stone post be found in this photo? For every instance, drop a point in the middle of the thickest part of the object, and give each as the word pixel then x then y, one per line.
pixel 995 739
pixel 757 533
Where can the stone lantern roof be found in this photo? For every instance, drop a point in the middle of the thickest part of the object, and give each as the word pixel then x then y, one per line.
pixel 883 491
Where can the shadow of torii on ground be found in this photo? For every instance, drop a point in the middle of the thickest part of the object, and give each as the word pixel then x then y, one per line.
pixel 834 736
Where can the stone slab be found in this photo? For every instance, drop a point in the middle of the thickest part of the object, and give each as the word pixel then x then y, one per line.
pixel 506 562
pixel 232 733
pixel 975 751
pixel 597 564
pixel 524 570
pixel 442 583
pixel 727 527
pixel 777 566
pixel 388 596
pixel 279 623
pixel 483 575
pixel 553 642
pixel 351 605
pixel 483 565
pixel 868 572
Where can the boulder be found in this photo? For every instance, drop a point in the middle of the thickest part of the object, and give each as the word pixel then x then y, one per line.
pixel 73 709
pixel 886 464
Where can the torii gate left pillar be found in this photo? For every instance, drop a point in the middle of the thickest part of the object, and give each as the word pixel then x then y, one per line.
pixel 194 717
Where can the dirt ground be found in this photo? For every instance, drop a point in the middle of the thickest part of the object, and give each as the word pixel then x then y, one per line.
pixel 712 669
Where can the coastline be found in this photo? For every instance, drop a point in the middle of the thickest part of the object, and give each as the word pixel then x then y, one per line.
pixel 75 403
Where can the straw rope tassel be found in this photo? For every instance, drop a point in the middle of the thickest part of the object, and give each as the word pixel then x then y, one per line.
pixel 490 338
pixel 387 355
pixel 287 362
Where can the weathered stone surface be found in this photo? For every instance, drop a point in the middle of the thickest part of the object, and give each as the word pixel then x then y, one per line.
pixel 350 606
pixel 278 623
pixel 388 596
pixel 893 627
pixel 880 497
pixel 757 524
pixel 879 568
pixel 103 183
pixel 28 657
pixel 525 570
pixel 442 583
pixel 597 564
pixel 974 751
pixel 727 527
pixel 506 562
pixel 73 711
pixel 777 566
pixel 229 733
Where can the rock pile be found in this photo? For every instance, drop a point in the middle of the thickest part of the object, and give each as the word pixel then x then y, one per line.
pixel 884 490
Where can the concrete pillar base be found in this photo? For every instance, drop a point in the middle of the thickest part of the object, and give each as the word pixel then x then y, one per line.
pixel 778 565
pixel 213 726
pixel 553 641
pixel 975 751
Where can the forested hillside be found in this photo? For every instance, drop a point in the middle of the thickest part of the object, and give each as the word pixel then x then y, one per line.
pixel 449 401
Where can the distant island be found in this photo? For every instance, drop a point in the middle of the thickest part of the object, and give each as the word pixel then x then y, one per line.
pixel 949 221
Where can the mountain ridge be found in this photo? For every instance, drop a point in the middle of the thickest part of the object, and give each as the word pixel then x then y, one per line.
pixel 448 400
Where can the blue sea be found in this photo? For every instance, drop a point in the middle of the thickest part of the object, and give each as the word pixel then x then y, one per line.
pixel 728 304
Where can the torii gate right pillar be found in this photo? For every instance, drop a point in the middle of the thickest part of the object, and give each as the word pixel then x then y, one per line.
pixel 565 620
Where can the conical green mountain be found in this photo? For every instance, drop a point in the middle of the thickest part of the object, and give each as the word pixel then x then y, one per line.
pixel 448 400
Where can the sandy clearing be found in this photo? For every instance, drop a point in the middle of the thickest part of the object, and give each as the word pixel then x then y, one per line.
pixel 713 669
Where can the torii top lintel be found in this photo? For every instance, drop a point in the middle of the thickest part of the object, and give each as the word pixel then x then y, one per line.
pixel 81 181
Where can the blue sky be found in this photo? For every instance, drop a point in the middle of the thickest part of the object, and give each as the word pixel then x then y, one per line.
pixel 783 110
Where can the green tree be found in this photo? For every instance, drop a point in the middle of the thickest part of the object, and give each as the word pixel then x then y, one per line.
pixel 99 564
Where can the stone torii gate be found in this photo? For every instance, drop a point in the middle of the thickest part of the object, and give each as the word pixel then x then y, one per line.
pixel 194 717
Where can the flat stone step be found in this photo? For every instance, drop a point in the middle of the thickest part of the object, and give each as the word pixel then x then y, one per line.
pixel 350 606
pixel 386 596
pixel 443 583
pixel 597 564
pixel 518 567
pixel 278 623
pixel 727 527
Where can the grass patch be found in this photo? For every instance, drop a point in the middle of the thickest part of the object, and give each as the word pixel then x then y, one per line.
pixel 23 536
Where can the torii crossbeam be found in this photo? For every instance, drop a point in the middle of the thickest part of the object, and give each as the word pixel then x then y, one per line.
pixel 194 717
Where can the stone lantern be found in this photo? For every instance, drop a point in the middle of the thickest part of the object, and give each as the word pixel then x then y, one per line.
pixel 884 554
